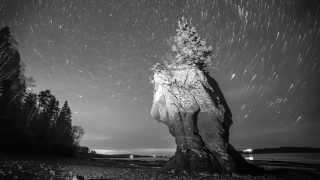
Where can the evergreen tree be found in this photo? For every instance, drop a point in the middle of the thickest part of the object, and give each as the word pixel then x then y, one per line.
pixel 12 89
pixel 189 48
pixel 29 121
pixel 30 109
pixel 64 142
pixel 49 107
pixel 64 124
pixel 29 114
pixel 12 84
pixel 43 124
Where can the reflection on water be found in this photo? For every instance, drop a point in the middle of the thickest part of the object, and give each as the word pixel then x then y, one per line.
pixel 310 158
pixel 165 154
pixel 313 158
pixel 249 157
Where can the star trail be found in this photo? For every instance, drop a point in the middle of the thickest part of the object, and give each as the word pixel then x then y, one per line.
pixel 98 55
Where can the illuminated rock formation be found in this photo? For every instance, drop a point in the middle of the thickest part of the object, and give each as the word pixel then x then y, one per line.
pixel 191 104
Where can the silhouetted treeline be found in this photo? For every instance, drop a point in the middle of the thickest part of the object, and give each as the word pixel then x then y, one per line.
pixel 31 122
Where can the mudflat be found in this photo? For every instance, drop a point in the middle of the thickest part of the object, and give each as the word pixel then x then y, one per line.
pixel 51 167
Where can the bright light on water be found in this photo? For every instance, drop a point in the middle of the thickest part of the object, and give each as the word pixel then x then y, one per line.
pixel 248 150
pixel 249 158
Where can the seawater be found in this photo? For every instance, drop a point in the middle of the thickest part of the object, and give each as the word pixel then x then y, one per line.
pixel 313 158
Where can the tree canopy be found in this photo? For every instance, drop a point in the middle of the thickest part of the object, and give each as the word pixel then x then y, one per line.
pixel 31 122
pixel 188 48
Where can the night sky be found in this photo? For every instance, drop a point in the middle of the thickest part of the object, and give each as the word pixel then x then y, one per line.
pixel 98 55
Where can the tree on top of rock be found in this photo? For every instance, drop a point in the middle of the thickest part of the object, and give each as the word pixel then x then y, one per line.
pixel 189 48
pixel 190 102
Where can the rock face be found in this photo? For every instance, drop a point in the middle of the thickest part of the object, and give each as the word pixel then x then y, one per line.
pixel 192 105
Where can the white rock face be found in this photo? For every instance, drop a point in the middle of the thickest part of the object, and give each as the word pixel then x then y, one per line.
pixel 183 89
pixel 191 104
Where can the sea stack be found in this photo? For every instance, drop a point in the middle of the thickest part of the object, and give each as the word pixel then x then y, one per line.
pixel 189 101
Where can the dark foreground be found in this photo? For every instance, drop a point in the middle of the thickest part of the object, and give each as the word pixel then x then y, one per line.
pixel 42 168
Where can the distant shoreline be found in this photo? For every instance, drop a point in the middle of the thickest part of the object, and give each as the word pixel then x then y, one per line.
pixel 287 149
